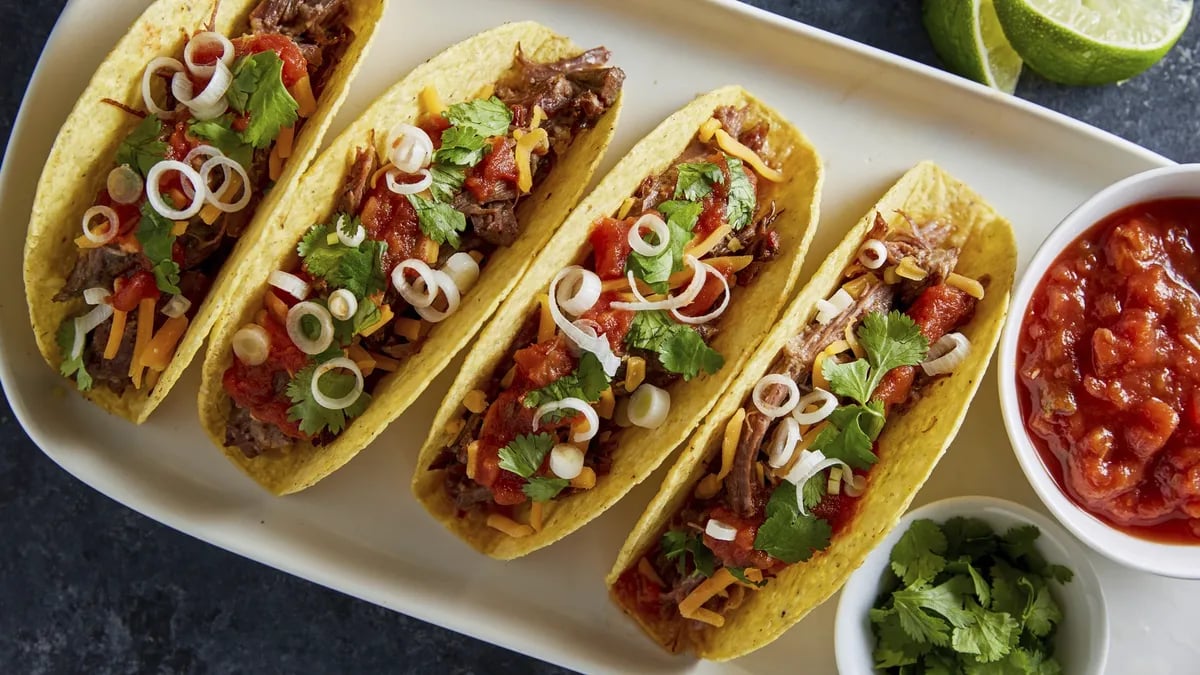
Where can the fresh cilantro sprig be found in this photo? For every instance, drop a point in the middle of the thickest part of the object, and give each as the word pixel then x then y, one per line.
pixel 679 546
pixel 484 116
pixel 680 349
pixel 586 382
pixel 357 269
pixel 143 147
pixel 257 91
pixel 461 148
pixel 655 270
pixel 890 341
pixel 524 457
pixel 439 221
pixel 742 201
pixel 696 180
pixel 154 233
pixel 72 366
pixel 959 598
pixel 313 416
pixel 788 535
pixel 220 133
pixel 447 181
pixel 465 143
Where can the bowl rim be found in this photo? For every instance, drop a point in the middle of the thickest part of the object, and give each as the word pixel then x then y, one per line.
pixel 1168 559
pixel 1086 580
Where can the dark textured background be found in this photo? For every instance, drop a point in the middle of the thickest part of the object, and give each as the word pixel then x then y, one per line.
pixel 87 585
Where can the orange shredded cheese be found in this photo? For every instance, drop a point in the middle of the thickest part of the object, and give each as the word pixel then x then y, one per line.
pixel 606 404
pixel 361 358
pixel 625 207
pixel 409 329
pixel 303 93
pixel 586 480
pixel 535 516
pixel 526 145
pixel 507 380
pixel 274 164
pixel 699 248
pixel 691 607
pixel 733 147
pixel 635 372
pixel 386 315
pixel 709 486
pixel 384 363
pixel 545 320
pixel 707 129
pixel 475 401
pixel 284 141
pixel 210 213
pixel 431 101
pixel 115 334
pixel 179 228
pixel 818 375
pixel 729 443
pixel 965 284
pixel 429 251
pixel 159 350
pixel 647 570
pixel 909 269
pixel 472 458
pixel 852 340
pixel 508 526
pixel 277 308
pixel 145 328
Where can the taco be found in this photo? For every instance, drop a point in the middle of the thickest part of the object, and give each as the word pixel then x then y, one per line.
pixel 835 423
pixel 626 329
pixel 404 237
pixel 181 149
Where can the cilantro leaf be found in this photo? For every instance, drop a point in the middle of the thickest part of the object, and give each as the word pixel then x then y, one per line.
pixel 439 221
pixel 143 147
pixel 258 90
pixel 786 534
pixel 945 599
pixel 587 382
pixel 680 349
pixel 890 341
pixel 367 314
pixel 72 366
pixel 220 133
pixel 893 648
pixel 447 181
pixel 543 488
pixel 525 454
pixel 742 199
pixel 851 432
pixel 158 243
pixel 655 270
pixel 313 416
pixel 919 625
pixel 1042 614
pixel 461 147
pixel 814 490
pixel 316 238
pixel 968 537
pixel 917 556
pixel 358 269
pixel 486 117
pixel 1019 544
pixel 696 180
pixel 989 635
pixel 677 545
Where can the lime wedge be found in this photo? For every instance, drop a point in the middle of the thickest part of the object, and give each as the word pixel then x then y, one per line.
pixel 1093 41
pixel 968 38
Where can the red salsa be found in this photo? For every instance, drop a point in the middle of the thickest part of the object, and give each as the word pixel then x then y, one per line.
pixel 1108 370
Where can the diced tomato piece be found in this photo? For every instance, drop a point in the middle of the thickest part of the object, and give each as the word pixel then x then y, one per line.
pixel 129 291
pixel 740 552
pixel 610 247
pixel 709 294
pixel 614 323
pixel 295 66
pixel 390 218
pixel 497 167
pixel 541 363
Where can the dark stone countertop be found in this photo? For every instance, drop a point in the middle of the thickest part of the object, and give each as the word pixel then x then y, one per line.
pixel 87 585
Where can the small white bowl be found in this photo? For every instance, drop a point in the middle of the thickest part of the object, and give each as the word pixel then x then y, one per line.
pixel 1082 641
pixel 1173 560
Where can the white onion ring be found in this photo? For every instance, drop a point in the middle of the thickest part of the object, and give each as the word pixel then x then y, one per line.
pixel 251 344
pixel 810 464
pixel 873 254
pixel 828 402
pixel 289 283
pixel 656 225
pixel 719 530
pixel 352 241
pixel 177 306
pixel 649 406
pixel 946 354
pixel 295 328
pixel 211 99
pixel 705 318
pixel 855 485
pixel 202 39
pixel 783 443
pixel 155 197
pixel 342 304
pixel 418 299
pixel 596 344
pixel 409 148
pixel 408 188
pixel 446 284
pixel 213 196
pixel 124 185
pixel 778 380
pixel 580 292
pixel 345 401
pixel 699 272
pixel 114 224
pixel 96 295
pixel 204 152
pixel 98 315
pixel 828 310
pixel 77 342
pixel 152 68
pixel 571 403
pixel 566 461
pixel 463 269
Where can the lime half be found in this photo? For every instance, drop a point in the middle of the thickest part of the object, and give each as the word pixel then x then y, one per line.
pixel 967 36
pixel 1093 41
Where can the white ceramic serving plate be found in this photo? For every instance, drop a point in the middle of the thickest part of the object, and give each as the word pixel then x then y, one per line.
pixel 1175 560
pixel 1082 637
pixel 870 114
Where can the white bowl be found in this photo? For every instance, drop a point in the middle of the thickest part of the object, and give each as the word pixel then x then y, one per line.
pixel 1082 640
pixel 1173 560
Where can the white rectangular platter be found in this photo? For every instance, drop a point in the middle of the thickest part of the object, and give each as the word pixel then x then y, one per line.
pixel 871 116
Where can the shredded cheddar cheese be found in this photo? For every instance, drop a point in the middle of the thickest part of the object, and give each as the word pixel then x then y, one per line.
pixel 385 315
pixel 909 269
pixel 537 117
pixel 475 401
pixel 526 144
pixel 965 284
pixel 732 146
pixel 707 129
pixel 691 607
pixel 852 340
pixel 635 373
pixel 606 404
pixel 179 228
pixel 361 358
pixel 700 248
pixel 535 516
pixel 709 486
pixel 625 207
pixel 384 363
pixel 733 434
pixel 890 277
pixel 545 320
pixel 508 526
pixel 647 570
pixel 409 329
pixel 159 350
pixel 210 213
pixel 856 286
pixel 431 101
pixel 274 164
pixel 472 458
pixel 303 93
pixel 115 334
pixel 144 329
pixel 284 141
pixel 586 480
pixel 817 375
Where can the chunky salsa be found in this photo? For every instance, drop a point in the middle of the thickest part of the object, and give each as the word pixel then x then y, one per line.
pixel 1108 370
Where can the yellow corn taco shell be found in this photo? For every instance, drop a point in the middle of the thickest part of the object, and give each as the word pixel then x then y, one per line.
pixel 910 445
pixel 641 450
pixel 82 154
pixel 458 74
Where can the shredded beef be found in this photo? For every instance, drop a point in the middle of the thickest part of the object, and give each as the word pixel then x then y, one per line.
pixel 312 19
pixel 357 181
pixel 97 267
pixel 925 245
pixel 112 373
pixel 251 436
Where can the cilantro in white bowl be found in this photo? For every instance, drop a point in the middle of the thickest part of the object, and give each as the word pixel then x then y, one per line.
pixel 981 584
